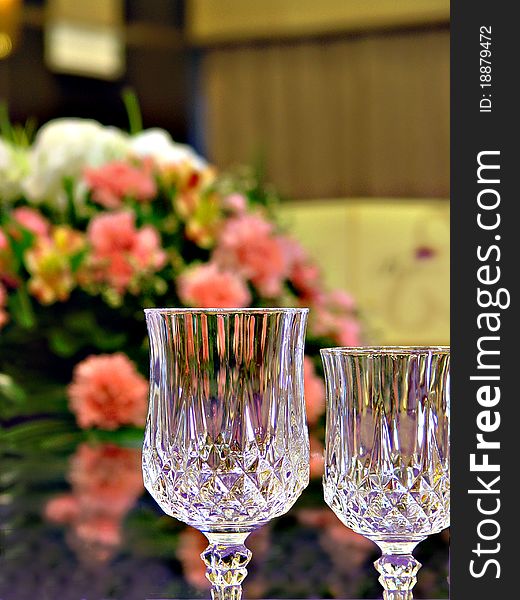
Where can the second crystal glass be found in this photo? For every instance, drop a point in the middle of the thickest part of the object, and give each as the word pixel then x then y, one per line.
pixel 226 446
pixel 387 457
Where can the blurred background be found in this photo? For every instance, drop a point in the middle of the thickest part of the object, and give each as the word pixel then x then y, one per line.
pixel 343 106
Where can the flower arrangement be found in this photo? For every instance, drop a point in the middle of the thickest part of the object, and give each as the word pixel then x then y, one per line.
pixel 97 224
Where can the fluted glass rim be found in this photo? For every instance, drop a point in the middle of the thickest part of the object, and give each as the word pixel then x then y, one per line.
pixel 264 310
pixel 384 350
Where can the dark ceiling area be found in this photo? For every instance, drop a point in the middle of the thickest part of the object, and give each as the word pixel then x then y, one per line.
pixel 157 68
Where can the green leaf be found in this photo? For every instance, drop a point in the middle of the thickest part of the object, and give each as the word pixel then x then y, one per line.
pixel 20 307
pixel 63 442
pixel 21 243
pixel 32 436
pixel 6 130
pixel 10 390
pixel 80 321
pixel 63 343
pixel 125 436
pixel 68 185
pixel 77 259
pixel 135 120
pixel 114 341
pixel 80 329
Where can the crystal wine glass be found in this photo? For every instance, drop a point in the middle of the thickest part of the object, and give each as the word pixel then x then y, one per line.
pixel 226 446
pixel 387 455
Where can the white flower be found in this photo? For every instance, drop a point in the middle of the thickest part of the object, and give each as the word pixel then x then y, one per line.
pixel 158 145
pixel 13 168
pixel 64 148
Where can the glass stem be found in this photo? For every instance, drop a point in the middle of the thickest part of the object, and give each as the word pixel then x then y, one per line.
pixel 398 569
pixel 226 558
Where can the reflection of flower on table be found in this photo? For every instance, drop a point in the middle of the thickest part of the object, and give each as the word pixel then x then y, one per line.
pixel 106 482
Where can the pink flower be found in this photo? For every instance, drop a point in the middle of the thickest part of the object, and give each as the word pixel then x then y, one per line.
pixel 306 278
pixel 316 462
pixel 206 286
pixel 348 332
pixel 303 274
pixel 323 320
pixel 314 392
pixel 121 252
pixel 114 181
pixel 4 243
pixel 7 271
pixel 4 316
pixel 146 249
pixel 334 315
pixel 62 509
pixel 249 245
pixel 235 203
pixel 341 300
pixel 107 392
pixel 32 220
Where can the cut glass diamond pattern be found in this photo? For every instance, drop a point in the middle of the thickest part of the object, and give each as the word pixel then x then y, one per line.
pixel 226 442
pixel 385 474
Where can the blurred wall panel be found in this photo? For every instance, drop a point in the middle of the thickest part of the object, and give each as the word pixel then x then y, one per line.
pixel 210 21
pixel 356 115
pixel 85 39
pixel 393 255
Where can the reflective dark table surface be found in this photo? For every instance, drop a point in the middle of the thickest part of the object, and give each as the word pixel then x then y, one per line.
pixel 76 524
